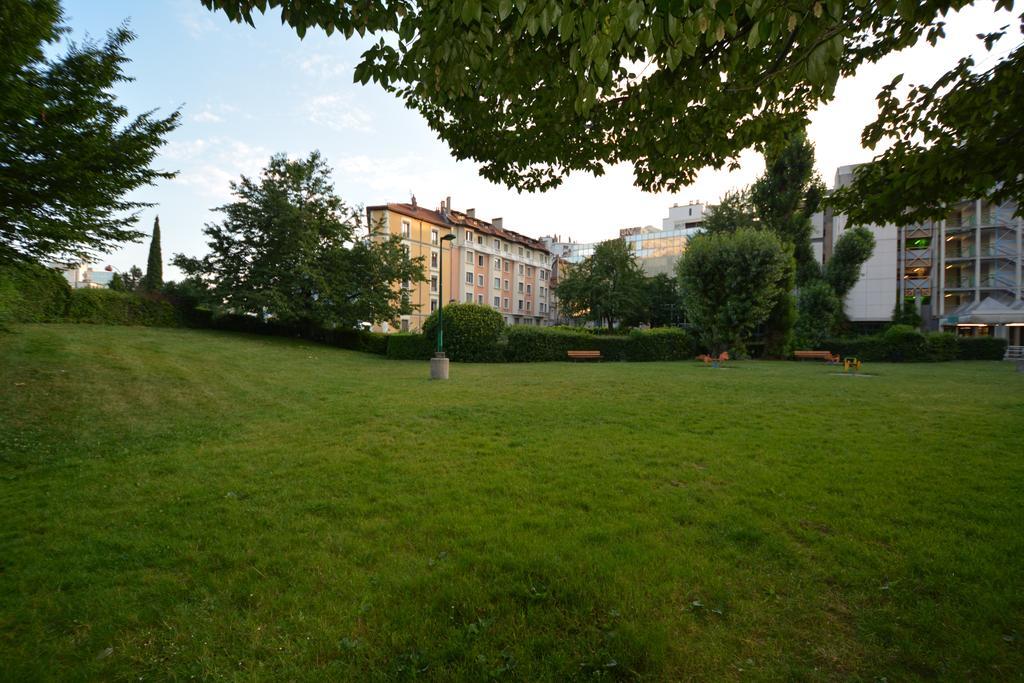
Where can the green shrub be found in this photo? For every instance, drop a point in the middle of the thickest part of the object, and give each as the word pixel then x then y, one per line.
pixel 409 346
pixel 904 343
pixel 373 342
pixel 980 348
pixel 527 344
pixel 661 343
pixel 107 307
pixel 31 293
pixel 942 346
pixel 471 332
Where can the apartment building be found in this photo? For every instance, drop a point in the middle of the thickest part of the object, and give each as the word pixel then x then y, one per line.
pixel 962 273
pixel 485 264
pixel 657 250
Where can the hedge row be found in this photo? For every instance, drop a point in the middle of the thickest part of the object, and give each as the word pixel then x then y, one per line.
pixel 355 340
pixel 31 293
pixel 107 307
pixel 901 343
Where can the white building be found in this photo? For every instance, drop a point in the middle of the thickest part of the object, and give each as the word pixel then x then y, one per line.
pixel 82 276
pixel 962 273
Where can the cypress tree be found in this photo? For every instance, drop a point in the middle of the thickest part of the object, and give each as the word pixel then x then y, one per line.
pixel 154 279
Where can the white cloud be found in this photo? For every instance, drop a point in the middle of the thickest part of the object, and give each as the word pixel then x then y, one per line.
pixel 338 113
pixel 196 19
pixel 218 162
pixel 206 116
pixel 323 66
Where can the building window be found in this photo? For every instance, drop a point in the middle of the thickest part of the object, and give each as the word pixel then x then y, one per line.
pixel 469 278
pixel 406 228
pixel 520 287
pixel 480 299
pixel 433 259
pixel 520 251
pixel 506 247
pixel 497 283
pixel 497 301
pixel 529 289
pixel 520 304
pixel 497 264
pixel 469 257
pixel 433 236
pixel 480 260
pixel 506 266
pixel 505 301
pixel 469 236
pixel 480 240
pixel 529 271
pixel 479 280
pixel 529 304
pixel 497 245
pixel 433 305
pixel 469 297
pixel 433 283
pixel 520 268
pixel 506 284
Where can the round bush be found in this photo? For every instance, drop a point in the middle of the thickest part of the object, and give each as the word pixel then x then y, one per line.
pixel 904 343
pixel 471 332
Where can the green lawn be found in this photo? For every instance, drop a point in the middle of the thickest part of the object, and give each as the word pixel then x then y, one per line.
pixel 182 504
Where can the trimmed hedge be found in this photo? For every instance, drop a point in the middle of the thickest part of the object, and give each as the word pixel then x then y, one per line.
pixel 471 332
pixel 661 343
pixel 409 346
pixel 355 340
pixel 107 307
pixel 31 293
pixel 942 346
pixel 980 348
pixel 539 344
pixel 901 343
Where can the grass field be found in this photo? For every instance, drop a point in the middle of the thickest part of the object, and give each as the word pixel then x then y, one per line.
pixel 182 504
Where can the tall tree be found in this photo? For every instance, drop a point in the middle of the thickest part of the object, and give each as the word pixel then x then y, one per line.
pixel 290 249
pixel 154 278
pixel 605 287
pixel 69 153
pixel 535 89
pixel 850 253
pixel 730 284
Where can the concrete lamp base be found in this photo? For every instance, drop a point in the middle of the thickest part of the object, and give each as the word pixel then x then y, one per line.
pixel 439 366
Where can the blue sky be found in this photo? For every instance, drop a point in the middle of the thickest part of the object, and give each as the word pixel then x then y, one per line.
pixel 248 93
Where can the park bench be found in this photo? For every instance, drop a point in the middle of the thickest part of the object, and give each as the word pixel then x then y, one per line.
pixel 826 356
pixel 584 355
pixel 708 360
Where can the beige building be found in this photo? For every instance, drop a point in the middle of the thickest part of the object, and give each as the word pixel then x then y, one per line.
pixel 485 264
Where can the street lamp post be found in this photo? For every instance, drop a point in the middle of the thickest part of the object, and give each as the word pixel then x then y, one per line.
pixel 439 363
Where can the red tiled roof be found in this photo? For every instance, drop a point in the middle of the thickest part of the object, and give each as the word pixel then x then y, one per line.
pixel 457 219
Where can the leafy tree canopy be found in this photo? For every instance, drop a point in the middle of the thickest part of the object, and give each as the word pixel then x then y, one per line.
pixel 69 153
pixel 536 89
pixel 850 252
pixel 291 249
pixel 731 282
pixel 605 287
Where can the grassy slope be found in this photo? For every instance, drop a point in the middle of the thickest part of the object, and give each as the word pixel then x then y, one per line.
pixel 181 503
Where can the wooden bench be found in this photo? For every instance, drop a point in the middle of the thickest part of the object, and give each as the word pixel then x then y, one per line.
pixel 826 356
pixel 584 355
pixel 708 360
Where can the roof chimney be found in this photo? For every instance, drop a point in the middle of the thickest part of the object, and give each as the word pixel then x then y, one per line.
pixel 496 222
pixel 471 213
pixel 448 203
pixel 414 201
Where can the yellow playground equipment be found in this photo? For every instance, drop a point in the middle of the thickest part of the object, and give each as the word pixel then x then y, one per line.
pixel 851 364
